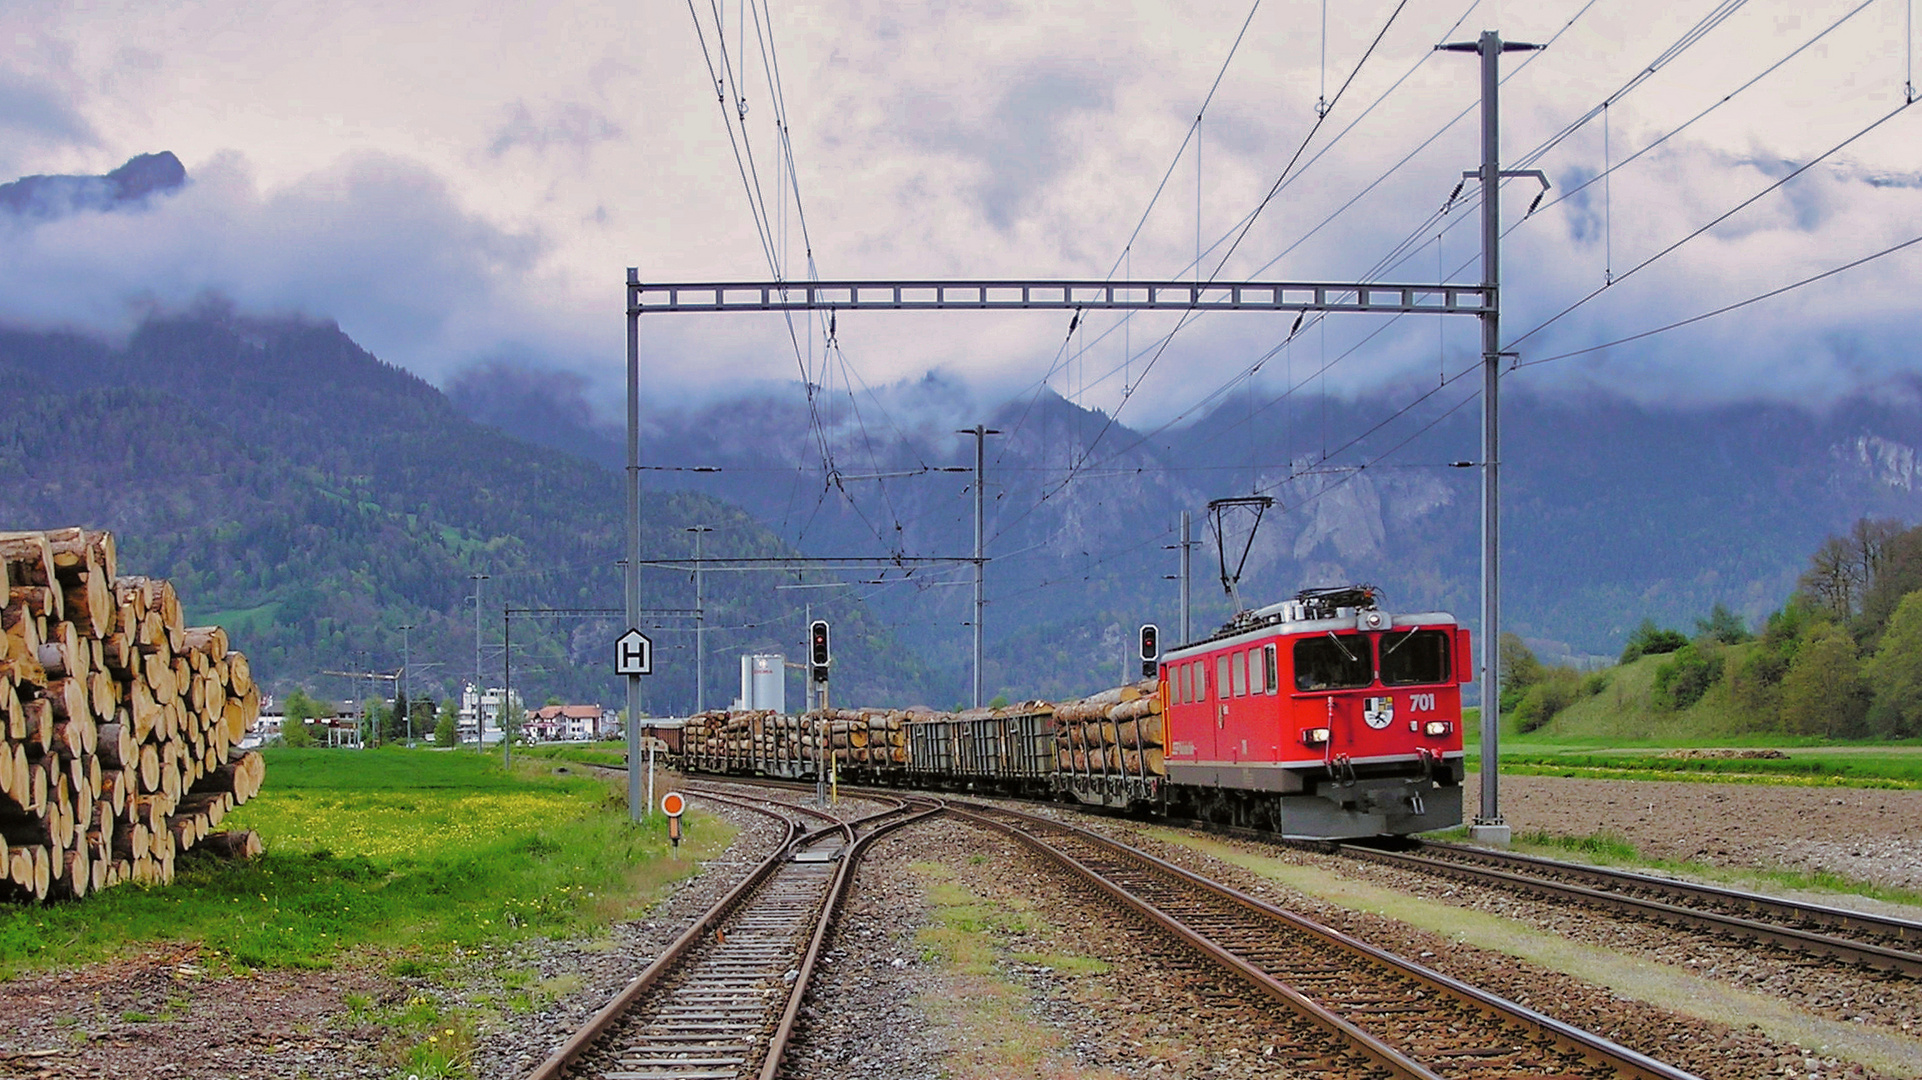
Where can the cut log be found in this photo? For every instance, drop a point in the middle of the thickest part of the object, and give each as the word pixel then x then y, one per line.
pixel 210 641
pixel 29 558
pixel 88 604
pixel 238 844
pixel 70 698
pixel 116 745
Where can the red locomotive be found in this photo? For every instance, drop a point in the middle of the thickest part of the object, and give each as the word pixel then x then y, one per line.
pixel 1321 716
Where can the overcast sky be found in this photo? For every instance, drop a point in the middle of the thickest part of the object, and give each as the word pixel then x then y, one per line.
pixel 457 188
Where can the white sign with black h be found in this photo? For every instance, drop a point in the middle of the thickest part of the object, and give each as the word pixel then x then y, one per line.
pixel 633 654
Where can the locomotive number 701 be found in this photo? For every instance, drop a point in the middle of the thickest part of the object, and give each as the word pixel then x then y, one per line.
pixel 1421 703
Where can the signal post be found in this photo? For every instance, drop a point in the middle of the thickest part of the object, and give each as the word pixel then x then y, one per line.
pixel 820 655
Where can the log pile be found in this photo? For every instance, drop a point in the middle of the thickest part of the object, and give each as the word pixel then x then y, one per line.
pixel 117 722
pixel 1116 731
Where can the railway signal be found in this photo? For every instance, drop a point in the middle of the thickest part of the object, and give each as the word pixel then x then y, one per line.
pixel 1150 648
pixel 818 652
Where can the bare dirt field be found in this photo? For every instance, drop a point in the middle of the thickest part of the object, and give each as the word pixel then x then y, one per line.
pixel 1865 834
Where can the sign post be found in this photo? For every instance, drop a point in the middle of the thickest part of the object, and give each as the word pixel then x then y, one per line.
pixel 633 658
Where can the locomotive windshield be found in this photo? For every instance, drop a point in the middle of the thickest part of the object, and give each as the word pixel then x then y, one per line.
pixel 1414 657
pixel 1333 662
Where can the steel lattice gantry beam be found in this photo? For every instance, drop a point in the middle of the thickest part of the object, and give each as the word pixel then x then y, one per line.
pixel 1365 297
pixel 1358 297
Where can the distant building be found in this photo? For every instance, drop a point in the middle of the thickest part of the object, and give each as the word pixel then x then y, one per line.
pixel 565 723
pixel 480 713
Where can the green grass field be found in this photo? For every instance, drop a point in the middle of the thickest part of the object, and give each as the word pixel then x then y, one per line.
pixel 405 857
pixel 1634 748
pixel 612 754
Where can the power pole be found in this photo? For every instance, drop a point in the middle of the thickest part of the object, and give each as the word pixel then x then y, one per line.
pixel 406 684
pixel 1187 546
pixel 980 434
pixel 480 726
pixel 1489 825
pixel 700 623
pixel 637 808
pixel 507 687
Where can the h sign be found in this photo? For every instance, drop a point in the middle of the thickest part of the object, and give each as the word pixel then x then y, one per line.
pixel 633 654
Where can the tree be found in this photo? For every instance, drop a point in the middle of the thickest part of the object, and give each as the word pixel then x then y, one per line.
pixel 423 712
pixel 1651 640
pixel 396 728
pixel 1822 691
pixel 1894 673
pixel 375 719
pixel 1898 573
pixel 447 729
pixel 300 707
pixel 1520 670
pixel 296 713
pixel 1829 584
pixel 1724 626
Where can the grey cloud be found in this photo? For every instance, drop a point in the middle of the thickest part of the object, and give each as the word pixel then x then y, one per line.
pixel 565 125
pixel 38 114
pixel 1026 140
pixel 376 243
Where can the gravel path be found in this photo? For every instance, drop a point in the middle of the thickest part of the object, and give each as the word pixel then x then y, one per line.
pixel 1049 982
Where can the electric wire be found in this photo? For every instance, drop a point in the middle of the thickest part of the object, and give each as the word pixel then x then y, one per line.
pixel 1771 294
pixel 1717 220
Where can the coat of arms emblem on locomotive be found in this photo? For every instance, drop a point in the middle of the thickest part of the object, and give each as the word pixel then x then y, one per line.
pixel 1378 711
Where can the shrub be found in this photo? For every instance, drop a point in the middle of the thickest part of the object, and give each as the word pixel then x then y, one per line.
pixel 1558 688
pixel 1651 640
pixel 1682 680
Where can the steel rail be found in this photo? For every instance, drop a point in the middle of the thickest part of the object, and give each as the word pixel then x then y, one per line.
pixel 1383 1055
pixel 1865 953
pixel 570 1051
pixel 835 829
pixel 837 892
pixel 1627 1063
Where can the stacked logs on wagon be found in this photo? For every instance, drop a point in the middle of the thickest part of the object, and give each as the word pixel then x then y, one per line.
pixel 856 737
pixel 1116 731
pixel 117 722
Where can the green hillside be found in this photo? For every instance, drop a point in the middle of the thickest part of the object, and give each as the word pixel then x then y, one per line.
pixel 315 500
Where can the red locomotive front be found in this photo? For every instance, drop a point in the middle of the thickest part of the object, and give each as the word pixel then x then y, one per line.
pixel 1323 716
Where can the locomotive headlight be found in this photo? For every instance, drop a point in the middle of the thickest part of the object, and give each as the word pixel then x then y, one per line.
pixel 1437 728
pixel 1314 736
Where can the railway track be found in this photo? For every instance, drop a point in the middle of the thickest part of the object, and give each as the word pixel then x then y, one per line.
pixel 1853 937
pixel 1407 1020
pixel 720 1002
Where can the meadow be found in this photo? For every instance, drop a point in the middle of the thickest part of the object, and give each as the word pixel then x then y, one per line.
pixel 408 858
pixel 1644 755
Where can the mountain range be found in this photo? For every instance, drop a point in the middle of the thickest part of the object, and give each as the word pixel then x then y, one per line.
pixel 316 500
